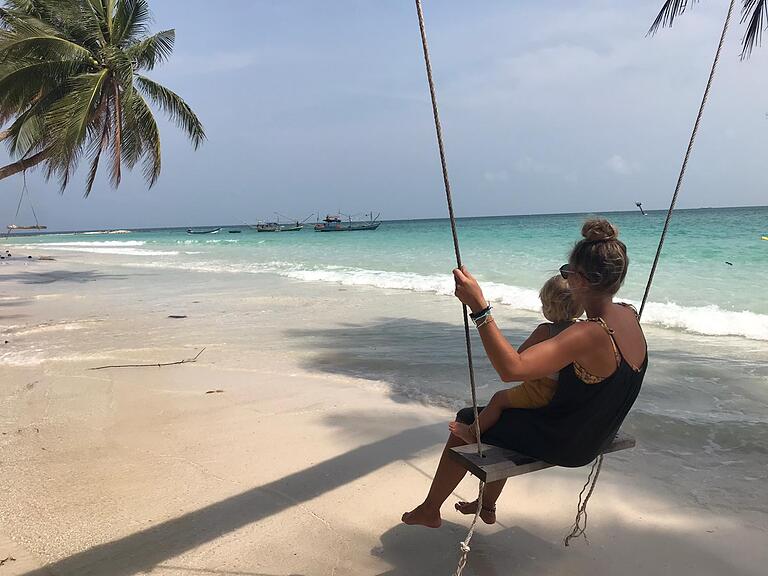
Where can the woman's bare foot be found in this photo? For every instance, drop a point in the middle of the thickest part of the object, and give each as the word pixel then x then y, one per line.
pixel 463 431
pixel 423 516
pixel 487 515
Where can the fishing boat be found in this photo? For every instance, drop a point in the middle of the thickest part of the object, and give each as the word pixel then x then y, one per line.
pixel 205 231
pixel 333 223
pixel 277 227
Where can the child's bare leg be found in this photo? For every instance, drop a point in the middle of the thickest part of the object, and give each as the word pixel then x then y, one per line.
pixel 488 417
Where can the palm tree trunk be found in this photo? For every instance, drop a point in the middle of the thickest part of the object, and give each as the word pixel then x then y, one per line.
pixel 23 164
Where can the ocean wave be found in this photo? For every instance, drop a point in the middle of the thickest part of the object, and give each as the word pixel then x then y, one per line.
pixel 114 249
pixel 705 320
pixel 93 243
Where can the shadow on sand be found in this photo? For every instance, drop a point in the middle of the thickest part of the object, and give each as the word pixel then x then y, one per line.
pixel 514 551
pixel 418 358
pixel 141 551
pixel 77 277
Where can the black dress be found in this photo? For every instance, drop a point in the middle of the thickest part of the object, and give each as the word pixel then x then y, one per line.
pixel 578 423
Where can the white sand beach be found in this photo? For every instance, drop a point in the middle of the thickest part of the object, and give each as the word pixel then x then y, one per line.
pixel 294 468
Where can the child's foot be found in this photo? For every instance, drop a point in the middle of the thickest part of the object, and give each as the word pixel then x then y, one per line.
pixel 423 516
pixel 487 515
pixel 463 431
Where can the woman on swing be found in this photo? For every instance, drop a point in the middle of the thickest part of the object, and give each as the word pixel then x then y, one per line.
pixel 601 363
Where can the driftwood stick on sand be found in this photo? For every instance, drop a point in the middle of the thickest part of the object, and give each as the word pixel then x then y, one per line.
pixel 157 364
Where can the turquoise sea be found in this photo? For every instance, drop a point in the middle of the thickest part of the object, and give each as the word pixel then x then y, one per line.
pixel 701 418
pixel 711 280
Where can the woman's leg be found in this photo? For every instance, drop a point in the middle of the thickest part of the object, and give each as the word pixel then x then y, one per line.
pixel 491 494
pixel 447 477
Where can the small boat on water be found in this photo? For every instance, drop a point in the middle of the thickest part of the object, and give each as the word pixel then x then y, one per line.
pixel 334 224
pixel 35 227
pixel 234 231
pixel 204 231
pixel 277 227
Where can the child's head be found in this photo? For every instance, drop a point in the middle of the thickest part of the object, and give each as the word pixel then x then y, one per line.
pixel 557 302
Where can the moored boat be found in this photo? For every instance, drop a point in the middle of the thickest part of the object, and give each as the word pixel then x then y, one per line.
pixel 204 231
pixel 276 227
pixel 334 224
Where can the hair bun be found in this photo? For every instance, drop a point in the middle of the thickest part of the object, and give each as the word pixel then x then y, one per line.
pixel 599 230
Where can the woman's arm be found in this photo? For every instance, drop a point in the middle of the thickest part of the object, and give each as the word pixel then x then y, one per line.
pixel 537 361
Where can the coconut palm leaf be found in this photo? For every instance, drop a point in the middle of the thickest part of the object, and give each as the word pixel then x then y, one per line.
pixel 132 21
pixel 69 74
pixel 153 50
pixel 753 12
pixel 670 10
pixel 173 105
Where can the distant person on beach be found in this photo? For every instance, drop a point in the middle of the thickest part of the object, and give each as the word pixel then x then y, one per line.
pixel 600 364
pixel 561 309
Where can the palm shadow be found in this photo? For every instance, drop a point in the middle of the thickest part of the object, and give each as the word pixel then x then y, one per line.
pixel 77 277
pixel 142 551
pixel 419 359
pixel 516 551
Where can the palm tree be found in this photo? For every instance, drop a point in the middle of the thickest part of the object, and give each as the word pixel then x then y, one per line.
pixel 753 12
pixel 71 86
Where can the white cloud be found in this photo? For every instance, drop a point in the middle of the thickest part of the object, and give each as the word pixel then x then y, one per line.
pixel 619 165
pixel 497 176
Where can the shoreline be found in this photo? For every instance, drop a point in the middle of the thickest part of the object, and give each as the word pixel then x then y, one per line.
pixel 300 466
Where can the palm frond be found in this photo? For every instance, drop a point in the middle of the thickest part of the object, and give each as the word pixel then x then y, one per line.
pixel 142 138
pixel 27 134
pixel 670 10
pixel 132 21
pixel 68 120
pixel 21 84
pixel 99 144
pixel 117 141
pixel 755 14
pixel 175 107
pixel 153 50
pixel 42 48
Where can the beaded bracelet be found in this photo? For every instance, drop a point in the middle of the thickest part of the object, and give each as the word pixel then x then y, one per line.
pixel 486 319
pixel 477 315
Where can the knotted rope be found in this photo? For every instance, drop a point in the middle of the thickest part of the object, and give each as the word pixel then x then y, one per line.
pixel 447 185
pixel 580 522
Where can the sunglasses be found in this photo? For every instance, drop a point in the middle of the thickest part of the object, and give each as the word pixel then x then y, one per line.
pixel 565 271
pixel 591 277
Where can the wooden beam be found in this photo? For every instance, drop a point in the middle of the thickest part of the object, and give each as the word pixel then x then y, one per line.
pixel 499 463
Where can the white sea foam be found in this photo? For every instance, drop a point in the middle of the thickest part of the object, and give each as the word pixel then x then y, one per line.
pixel 706 320
pixel 94 243
pixel 122 248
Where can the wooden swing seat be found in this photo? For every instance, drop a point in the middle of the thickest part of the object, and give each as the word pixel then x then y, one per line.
pixel 499 463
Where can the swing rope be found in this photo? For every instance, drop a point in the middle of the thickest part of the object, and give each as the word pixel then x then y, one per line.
pixel 464 545
pixel 687 156
pixel 24 190
pixel 580 522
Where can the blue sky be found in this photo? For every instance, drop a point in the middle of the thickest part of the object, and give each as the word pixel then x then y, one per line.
pixel 560 106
